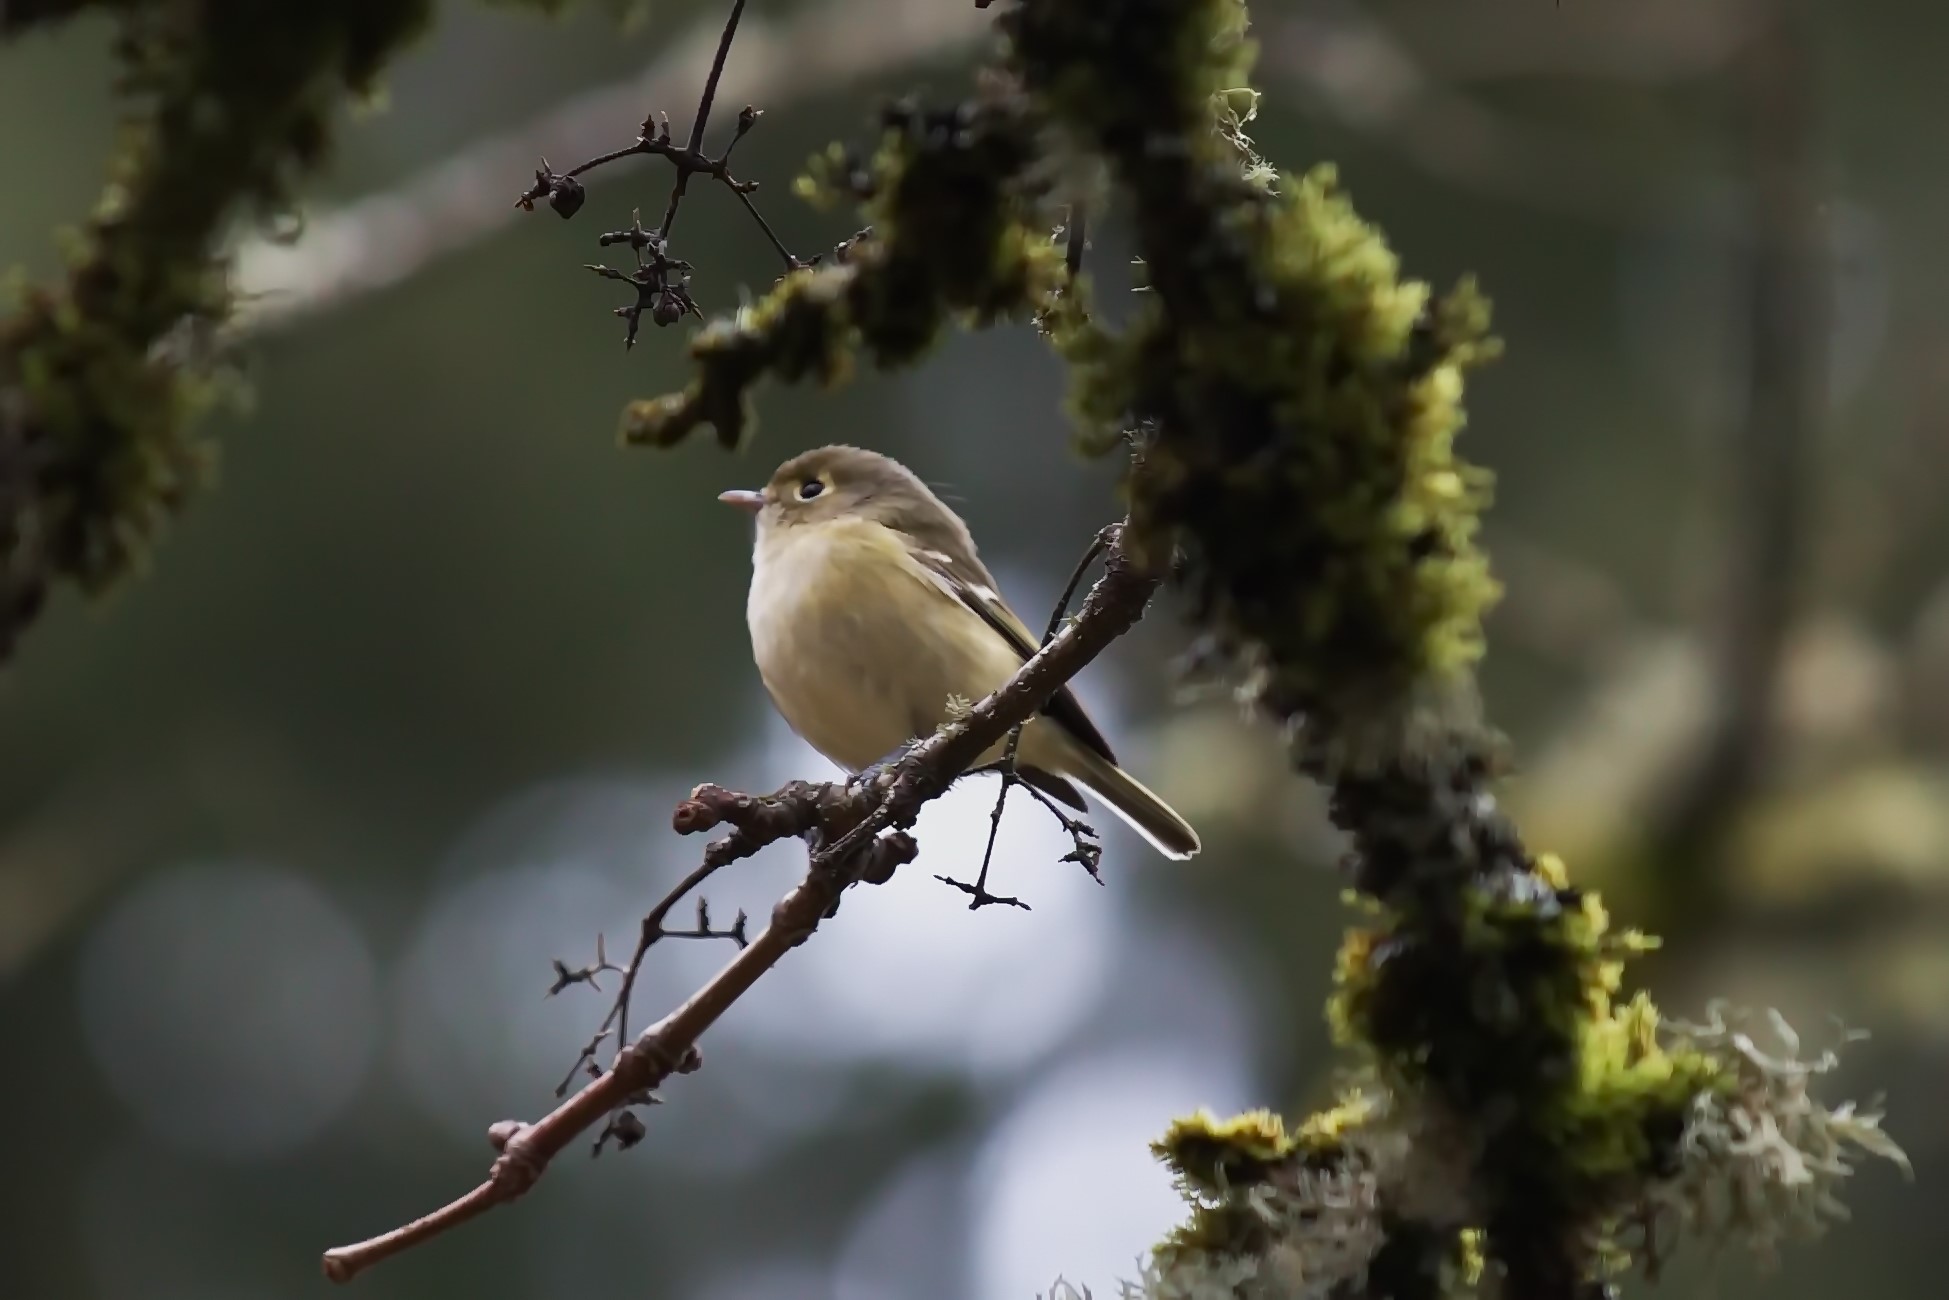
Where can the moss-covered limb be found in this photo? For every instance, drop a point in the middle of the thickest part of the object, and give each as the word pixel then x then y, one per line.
pixel 230 99
pixel 1299 401
pixel 957 232
pixel 1303 398
pixel 1487 986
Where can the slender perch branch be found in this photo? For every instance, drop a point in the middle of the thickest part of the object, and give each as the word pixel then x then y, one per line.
pixel 842 824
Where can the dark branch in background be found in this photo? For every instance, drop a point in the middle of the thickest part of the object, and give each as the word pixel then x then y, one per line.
pixel 854 833
pixel 382 239
pixel 18 16
pixel 1764 474
pixel 662 282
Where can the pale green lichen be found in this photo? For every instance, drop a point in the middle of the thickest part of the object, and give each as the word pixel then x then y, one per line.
pixel 1762 1159
pixel 1305 1214
pixel 1272 1215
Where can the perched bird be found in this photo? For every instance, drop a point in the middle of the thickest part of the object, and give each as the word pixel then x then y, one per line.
pixel 870 610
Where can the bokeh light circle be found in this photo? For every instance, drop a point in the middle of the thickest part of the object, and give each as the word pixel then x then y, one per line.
pixel 232 1008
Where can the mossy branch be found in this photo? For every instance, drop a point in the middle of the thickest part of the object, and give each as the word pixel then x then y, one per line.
pixel 101 377
pixel 1299 401
pixel 955 233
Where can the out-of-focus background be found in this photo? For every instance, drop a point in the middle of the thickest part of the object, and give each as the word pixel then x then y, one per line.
pixel 291 829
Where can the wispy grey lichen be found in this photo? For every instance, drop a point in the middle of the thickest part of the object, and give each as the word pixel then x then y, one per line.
pixel 1763 1160
pixel 1758 1161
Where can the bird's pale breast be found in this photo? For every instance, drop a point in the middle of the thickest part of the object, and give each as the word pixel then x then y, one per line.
pixel 859 649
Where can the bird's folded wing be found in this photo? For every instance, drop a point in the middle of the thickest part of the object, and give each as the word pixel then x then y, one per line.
pixel 971 584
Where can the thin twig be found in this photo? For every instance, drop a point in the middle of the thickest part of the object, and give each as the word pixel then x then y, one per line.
pixel 617 1021
pixel 383 238
pixel 1081 832
pixel 663 298
pixel 832 815
pixel 778 245
pixel 703 115
pixel 978 895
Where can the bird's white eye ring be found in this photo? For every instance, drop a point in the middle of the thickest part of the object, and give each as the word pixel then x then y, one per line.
pixel 812 487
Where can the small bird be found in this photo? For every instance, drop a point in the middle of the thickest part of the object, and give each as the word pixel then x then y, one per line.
pixel 870 610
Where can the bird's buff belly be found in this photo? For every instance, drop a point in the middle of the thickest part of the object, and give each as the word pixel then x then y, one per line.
pixel 859 675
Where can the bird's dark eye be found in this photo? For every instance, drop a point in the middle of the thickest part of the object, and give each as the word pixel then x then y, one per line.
pixel 812 487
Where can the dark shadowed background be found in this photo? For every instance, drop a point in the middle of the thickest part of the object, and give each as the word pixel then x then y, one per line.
pixel 291 829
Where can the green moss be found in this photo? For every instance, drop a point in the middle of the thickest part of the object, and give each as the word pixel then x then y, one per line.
pixel 1300 399
pixel 1468 1259
pixel 1276 1213
pixel 1325 1134
pixel 1217 1155
pixel 1501 1001
pixel 1623 1116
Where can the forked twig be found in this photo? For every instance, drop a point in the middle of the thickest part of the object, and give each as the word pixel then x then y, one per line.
pixel 1087 851
pixel 661 281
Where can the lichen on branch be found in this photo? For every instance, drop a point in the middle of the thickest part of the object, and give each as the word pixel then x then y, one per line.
pixel 1300 398
pixel 1298 401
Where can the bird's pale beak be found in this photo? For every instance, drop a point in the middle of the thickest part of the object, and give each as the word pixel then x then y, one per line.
pixel 744 499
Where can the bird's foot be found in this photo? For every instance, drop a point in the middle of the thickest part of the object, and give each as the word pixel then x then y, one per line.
pixel 870 777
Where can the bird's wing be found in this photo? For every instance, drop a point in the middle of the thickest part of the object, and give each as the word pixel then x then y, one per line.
pixel 968 581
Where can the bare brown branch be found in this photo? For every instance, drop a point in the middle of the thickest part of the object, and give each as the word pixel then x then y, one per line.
pixel 855 831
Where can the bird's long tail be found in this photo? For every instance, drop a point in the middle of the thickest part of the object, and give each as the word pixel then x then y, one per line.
pixel 1132 801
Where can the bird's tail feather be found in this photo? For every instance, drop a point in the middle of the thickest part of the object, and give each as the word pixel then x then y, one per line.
pixel 1141 810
